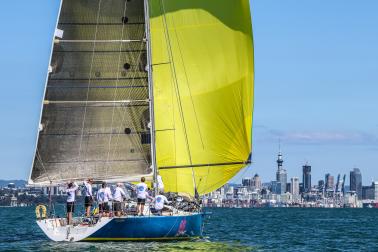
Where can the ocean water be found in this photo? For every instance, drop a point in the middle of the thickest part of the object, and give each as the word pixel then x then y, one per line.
pixel 264 229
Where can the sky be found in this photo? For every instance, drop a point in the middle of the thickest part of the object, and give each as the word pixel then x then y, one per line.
pixel 316 85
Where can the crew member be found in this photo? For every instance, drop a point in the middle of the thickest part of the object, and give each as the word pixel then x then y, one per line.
pixel 88 201
pixel 118 196
pixel 160 184
pixel 71 193
pixel 104 195
pixel 142 194
pixel 159 203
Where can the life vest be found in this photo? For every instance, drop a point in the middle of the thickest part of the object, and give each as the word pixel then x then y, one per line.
pixel 38 213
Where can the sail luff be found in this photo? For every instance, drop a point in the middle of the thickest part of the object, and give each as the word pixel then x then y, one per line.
pixel 178 96
pixel 151 94
pixel 44 92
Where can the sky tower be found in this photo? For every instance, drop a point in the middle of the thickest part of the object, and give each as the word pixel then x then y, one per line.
pixel 279 160
pixel 281 174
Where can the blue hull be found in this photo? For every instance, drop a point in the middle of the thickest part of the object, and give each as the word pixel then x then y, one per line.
pixel 150 228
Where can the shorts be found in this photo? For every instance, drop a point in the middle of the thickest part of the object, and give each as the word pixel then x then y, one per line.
pixel 103 207
pixel 88 201
pixel 160 211
pixel 70 207
pixel 117 206
pixel 141 201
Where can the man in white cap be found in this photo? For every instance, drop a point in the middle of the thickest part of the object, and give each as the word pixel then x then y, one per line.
pixel 118 196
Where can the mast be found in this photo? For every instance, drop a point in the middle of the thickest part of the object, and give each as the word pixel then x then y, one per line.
pixel 151 93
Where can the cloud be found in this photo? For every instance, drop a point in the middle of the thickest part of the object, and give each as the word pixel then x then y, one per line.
pixel 260 126
pixel 319 137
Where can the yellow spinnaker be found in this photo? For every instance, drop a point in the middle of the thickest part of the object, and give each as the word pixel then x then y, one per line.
pixel 202 56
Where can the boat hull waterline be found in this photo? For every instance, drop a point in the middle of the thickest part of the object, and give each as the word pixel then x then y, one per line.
pixel 128 228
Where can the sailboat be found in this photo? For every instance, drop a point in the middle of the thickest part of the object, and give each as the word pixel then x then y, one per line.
pixel 136 88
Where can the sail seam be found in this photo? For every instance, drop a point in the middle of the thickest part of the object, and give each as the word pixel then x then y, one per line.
pixel 204 165
pixel 136 23
pixel 94 161
pixel 97 79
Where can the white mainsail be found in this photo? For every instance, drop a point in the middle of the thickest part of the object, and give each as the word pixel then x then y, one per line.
pixel 95 118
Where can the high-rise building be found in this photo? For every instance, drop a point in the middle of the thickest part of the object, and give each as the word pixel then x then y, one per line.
pixel 340 184
pixel 247 182
pixel 329 182
pixel 301 189
pixel 256 182
pixel 368 192
pixel 288 187
pixel 306 180
pixel 276 187
pixel 321 185
pixel 356 182
pixel 337 187
pixel 295 186
pixel 375 186
pixel 281 174
pixel 343 185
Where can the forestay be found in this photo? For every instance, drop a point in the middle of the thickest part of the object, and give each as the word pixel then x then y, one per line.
pixel 95 111
pixel 202 55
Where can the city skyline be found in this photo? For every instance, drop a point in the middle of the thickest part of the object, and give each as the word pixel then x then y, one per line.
pixel 315 85
pixel 276 175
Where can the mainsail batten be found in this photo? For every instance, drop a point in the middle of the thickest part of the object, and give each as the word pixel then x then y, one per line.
pixel 95 113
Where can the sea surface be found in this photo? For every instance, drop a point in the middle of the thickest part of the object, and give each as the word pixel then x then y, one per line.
pixel 264 229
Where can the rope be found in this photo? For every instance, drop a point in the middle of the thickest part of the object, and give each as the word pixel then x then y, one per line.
pixel 129 111
pixel 115 89
pixel 172 227
pixel 90 79
pixel 39 158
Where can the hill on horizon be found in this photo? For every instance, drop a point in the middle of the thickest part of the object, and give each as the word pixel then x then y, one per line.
pixel 17 182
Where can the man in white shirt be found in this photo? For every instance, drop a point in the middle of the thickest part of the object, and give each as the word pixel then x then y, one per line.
pixel 104 195
pixel 142 194
pixel 118 196
pixel 88 200
pixel 160 184
pixel 71 193
pixel 159 203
